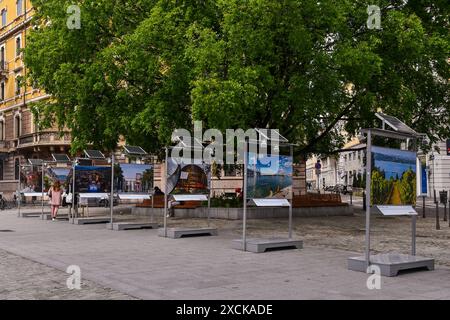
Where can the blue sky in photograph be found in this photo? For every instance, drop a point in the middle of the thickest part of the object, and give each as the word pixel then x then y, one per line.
pixel 394 162
pixel 131 169
pixel 271 165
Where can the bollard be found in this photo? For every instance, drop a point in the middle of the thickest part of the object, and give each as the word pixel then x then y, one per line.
pixel 438 227
pixel 424 206
pixel 364 201
pixel 445 211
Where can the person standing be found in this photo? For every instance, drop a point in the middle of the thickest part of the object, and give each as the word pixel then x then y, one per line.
pixel 55 194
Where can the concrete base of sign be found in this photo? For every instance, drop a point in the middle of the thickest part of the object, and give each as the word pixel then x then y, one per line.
pixel 176 233
pixel 263 245
pixel 119 226
pixel 48 216
pixel 31 214
pixel 92 220
pixel 390 264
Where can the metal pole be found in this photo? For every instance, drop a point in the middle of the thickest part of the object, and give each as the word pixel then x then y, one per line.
pixel 153 207
pixel 244 218
pixel 111 198
pixel 291 195
pixel 165 192
pixel 368 193
pixel 209 195
pixel 73 192
pixel 413 236
pixel 438 226
pixel 424 206
pixel 42 191
pixel 19 189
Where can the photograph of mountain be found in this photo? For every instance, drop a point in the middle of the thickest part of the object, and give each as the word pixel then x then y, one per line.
pixel 269 177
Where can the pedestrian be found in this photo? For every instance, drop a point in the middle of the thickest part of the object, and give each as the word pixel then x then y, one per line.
pixel 157 192
pixel 55 194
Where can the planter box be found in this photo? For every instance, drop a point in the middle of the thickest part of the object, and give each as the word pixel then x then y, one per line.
pixel 252 213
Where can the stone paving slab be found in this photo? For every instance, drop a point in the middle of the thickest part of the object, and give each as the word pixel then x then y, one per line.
pixel 143 265
pixel 21 278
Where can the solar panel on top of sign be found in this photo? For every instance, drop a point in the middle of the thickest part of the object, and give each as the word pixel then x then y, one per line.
pixel 94 154
pixel 396 124
pixel 59 157
pixel 35 162
pixel 135 151
pixel 271 135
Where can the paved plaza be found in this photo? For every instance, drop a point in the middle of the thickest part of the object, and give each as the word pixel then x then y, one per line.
pixel 138 264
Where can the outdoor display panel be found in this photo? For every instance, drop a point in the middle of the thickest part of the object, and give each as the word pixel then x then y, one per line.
pixel 269 177
pixel 32 178
pixel 134 177
pixel 57 174
pixel 393 177
pixel 92 179
pixel 187 178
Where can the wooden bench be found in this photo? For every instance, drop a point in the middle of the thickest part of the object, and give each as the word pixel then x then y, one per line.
pixel 158 202
pixel 317 200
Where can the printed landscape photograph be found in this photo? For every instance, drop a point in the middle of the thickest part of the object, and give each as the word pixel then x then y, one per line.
pixel 269 177
pixel 393 177
pixel 132 177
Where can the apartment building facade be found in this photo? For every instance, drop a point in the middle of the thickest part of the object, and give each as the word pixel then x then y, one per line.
pixel 20 135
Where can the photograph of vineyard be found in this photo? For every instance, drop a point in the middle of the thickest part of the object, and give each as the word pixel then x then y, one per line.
pixel 393 177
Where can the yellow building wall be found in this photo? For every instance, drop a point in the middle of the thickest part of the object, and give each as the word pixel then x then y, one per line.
pixel 16 26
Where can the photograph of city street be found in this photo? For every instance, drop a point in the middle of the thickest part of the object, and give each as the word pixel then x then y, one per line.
pixel 232 153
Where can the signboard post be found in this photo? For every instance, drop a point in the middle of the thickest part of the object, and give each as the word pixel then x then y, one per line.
pixel 391 188
pixel 267 184
pixel 190 181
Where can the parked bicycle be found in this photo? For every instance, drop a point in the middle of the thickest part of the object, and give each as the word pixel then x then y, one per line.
pixel 5 204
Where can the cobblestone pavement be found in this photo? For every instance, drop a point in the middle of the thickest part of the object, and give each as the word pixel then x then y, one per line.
pixel 143 265
pixel 21 278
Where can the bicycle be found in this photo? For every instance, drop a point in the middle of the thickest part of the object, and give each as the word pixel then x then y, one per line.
pixel 6 205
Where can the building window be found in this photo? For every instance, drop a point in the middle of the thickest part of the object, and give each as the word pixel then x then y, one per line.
pixel 2 91
pixel 18 126
pixel 3 12
pixel 18 46
pixel 2 130
pixel 1 170
pixel 2 58
pixel 16 169
pixel 18 84
pixel 19 6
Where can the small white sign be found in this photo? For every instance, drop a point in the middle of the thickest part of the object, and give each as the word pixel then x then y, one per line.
pixel 184 175
pixel 269 202
pixel 190 197
pixel 125 196
pixel 397 210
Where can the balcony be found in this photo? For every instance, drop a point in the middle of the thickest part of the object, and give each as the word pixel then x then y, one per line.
pixel 44 138
pixel 4 146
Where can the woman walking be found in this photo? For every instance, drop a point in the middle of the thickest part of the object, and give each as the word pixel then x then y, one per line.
pixel 55 194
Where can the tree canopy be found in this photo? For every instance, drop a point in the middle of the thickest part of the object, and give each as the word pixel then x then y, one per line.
pixel 312 69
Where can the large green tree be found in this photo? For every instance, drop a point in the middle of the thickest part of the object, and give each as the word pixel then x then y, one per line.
pixel 309 68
